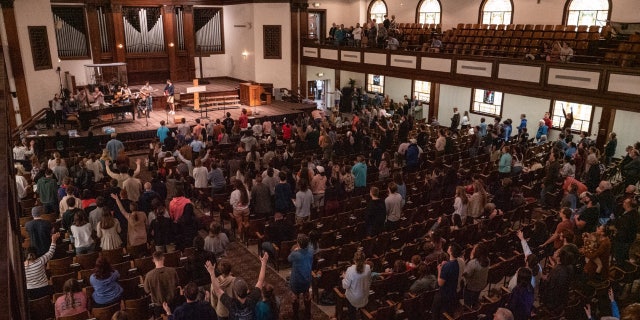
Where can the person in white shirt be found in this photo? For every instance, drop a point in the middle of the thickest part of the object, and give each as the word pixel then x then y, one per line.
pixel 566 53
pixel 200 174
pixel 19 151
pixel 21 184
pixel 392 43
pixel 357 35
pixel 356 281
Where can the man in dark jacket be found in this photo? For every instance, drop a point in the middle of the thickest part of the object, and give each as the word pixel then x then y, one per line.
pixel 626 230
pixel 376 213
pixel 550 178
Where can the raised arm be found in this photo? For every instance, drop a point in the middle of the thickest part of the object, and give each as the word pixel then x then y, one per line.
pixel 124 211
pixel 215 285
pixel 263 269
pixel 137 172
pixel 523 242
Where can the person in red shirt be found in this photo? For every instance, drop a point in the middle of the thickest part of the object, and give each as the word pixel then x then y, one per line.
pixel 286 131
pixel 243 120
pixel 547 120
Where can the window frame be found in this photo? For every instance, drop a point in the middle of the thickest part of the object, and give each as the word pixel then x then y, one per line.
pixel 371 6
pixel 418 12
pixel 366 87
pixel 486 114
pixel 559 128
pixel 567 6
pixel 416 93
pixel 481 12
pixel 86 34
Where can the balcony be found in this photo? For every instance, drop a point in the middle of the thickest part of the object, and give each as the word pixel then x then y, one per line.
pixel 601 84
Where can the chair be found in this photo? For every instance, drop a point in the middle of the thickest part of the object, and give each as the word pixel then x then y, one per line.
pixel 113 256
pixel 138 308
pixel 41 309
pixel 382 313
pixel 105 313
pixel 139 251
pixel 59 266
pixel 86 261
pixel 131 288
pixel 341 311
pixel 58 281
pixel 123 268
pixel 282 253
pixel 79 316
pixel 172 259
pixel 144 265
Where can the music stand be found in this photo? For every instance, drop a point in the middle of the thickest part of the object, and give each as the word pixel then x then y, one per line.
pixel 196 100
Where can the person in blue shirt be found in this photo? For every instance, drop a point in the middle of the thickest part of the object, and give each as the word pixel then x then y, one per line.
pixel 114 146
pixel 301 259
pixel 104 281
pixel 483 127
pixel 523 123
pixel 542 130
pixel 359 171
pixel 162 132
pixel 445 299
pixel 507 129
pixel 571 149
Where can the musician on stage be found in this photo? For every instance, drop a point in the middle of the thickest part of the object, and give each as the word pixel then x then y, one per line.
pixel 82 98
pixel 98 96
pixel 169 92
pixel 125 93
pixel 145 92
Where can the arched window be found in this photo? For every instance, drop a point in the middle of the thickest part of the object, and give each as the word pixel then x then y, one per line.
pixel 497 12
pixel 587 12
pixel 429 11
pixel 377 10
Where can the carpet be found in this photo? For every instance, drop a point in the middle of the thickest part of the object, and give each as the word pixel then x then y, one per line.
pixel 247 266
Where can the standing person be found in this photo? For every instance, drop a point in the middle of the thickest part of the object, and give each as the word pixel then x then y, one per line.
pixel 114 146
pixel 81 231
pixel 163 132
pixel 504 166
pixel 610 148
pixel 376 213
pixel 464 123
pixel 523 123
pixel 46 188
pixel 455 120
pixel 393 206
pixel 626 230
pixel 161 281
pixel 146 91
pixel 243 304
pixel 301 259
pixel 448 272
pixel 192 309
pixel 303 201
pixel 136 222
pixel 39 231
pixel 359 171
pixel 108 230
pixel 239 200
pixel 356 282
pixel 522 296
pixel 357 35
pixel 476 273
pixel 169 92
pixel 35 271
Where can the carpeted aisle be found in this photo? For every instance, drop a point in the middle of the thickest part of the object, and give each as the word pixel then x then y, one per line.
pixel 246 265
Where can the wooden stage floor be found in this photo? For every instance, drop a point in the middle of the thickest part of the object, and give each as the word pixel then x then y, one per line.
pixel 160 111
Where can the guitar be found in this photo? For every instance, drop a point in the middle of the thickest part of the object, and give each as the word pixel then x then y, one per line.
pixel 146 93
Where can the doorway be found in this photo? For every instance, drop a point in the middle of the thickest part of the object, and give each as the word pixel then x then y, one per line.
pixel 317 24
pixel 318 91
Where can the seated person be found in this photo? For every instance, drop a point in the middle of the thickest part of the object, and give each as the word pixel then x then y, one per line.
pixel 436 45
pixel 73 301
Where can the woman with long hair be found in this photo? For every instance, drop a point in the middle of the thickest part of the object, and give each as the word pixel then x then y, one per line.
pixel 73 301
pixel 136 222
pixel 104 281
pixel 267 308
pixel 476 273
pixel 239 200
pixel 81 232
pixel 478 200
pixel 460 203
pixel 108 230
pixel 35 271
pixel 522 296
pixel 356 282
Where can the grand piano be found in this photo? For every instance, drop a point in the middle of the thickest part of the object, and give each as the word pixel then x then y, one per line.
pixel 86 115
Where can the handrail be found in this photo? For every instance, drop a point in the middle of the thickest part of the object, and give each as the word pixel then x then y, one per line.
pixel 28 124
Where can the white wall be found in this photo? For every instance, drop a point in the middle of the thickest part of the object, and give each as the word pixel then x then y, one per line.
pixel 76 69
pixel 623 122
pixel 347 12
pixel 346 75
pixel 276 71
pixel 42 84
pixel 396 88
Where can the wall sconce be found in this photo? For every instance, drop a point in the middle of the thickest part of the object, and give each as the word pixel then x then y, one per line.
pixel 245 54
pixel 171 44
pixel 120 46
pixel 316 4
pixel 320 74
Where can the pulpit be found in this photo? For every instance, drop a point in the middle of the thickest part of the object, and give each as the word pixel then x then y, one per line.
pixel 250 94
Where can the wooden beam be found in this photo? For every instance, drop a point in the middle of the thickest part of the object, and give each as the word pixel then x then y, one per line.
pixel 119 50
pixel 189 38
pixel 94 32
pixel 169 27
pixel 17 67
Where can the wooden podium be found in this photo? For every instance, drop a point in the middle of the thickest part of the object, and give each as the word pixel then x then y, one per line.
pixel 250 94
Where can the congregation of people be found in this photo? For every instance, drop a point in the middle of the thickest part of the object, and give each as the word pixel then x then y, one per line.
pixel 444 191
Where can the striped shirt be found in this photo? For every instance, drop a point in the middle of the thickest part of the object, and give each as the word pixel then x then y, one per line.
pixel 35 271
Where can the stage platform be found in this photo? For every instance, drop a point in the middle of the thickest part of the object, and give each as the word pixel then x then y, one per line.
pixel 138 132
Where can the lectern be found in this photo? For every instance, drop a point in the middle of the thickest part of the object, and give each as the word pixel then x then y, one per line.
pixel 250 94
